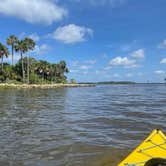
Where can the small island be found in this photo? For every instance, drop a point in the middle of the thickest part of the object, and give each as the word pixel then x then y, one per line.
pixel 29 72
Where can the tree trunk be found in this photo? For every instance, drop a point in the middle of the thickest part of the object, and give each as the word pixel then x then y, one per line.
pixel 2 63
pixel 28 65
pixel 12 54
pixel 43 77
pixel 23 72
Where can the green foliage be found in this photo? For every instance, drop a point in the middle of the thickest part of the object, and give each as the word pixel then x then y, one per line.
pixel 3 53
pixel 9 74
pixel 28 69
pixel 72 81
pixel 34 79
pixel 11 41
pixel 41 72
pixel 2 77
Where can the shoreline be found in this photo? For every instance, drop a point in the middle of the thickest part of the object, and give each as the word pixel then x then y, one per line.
pixel 44 86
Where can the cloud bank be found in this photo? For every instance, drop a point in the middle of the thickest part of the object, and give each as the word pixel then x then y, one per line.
pixel 138 54
pixel 33 11
pixel 72 34
pixel 123 61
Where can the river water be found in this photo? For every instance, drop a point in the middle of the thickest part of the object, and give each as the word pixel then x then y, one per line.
pixel 92 126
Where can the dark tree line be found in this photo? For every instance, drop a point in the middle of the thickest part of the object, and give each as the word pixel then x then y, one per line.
pixel 28 69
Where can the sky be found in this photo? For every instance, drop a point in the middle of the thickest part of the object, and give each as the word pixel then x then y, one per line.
pixel 100 40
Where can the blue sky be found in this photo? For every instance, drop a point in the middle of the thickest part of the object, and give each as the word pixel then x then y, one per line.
pixel 101 40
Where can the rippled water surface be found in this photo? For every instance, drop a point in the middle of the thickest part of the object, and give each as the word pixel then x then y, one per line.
pixel 95 126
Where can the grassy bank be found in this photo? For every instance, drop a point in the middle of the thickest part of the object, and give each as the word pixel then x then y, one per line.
pixel 43 86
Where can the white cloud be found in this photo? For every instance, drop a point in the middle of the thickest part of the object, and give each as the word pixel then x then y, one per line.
pixel 81 66
pixel 84 67
pixel 22 35
pixel 16 57
pixel 74 63
pixel 72 34
pixel 138 54
pixel 159 72
pixel 128 46
pixel 163 44
pixel 123 61
pixel 163 61
pixel 83 63
pixel 91 62
pixel 33 11
pixel 34 36
pixel 74 71
pixel 40 49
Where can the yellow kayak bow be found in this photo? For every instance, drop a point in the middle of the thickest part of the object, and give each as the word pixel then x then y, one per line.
pixel 154 146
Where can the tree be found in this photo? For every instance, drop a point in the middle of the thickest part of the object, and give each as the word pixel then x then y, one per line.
pixel 3 52
pixel 30 44
pixel 60 70
pixel 72 81
pixel 43 69
pixel 38 71
pixel 21 47
pixel 12 40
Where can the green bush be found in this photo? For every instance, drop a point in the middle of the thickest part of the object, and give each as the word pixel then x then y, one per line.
pixel 34 79
pixel 72 81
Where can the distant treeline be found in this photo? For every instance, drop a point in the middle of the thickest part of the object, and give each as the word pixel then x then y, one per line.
pixel 109 82
pixel 28 69
pixel 117 82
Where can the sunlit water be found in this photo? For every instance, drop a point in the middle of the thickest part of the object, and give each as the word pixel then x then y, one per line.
pixel 95 126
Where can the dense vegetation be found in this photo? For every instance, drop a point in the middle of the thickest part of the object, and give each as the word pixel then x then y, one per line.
pixel 28 69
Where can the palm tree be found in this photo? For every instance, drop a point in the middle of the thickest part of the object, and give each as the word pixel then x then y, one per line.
pixel 12 40
pixel 3 52
pixel 42 69
pixel 21 47
pixel 60 70
pixel 30 44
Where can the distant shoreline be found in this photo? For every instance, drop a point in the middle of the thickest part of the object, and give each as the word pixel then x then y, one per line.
pixel 72 85
pixel 43 86
pixel 126 83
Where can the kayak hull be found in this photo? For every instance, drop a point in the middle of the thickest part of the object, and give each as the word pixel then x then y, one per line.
pixel 154 146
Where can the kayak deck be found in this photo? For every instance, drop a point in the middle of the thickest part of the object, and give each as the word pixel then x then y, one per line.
pixel 154 146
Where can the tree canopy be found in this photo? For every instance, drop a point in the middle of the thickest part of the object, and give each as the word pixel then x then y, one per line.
pixel 28 69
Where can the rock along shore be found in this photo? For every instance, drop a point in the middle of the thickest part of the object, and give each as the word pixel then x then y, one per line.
pixel 43 86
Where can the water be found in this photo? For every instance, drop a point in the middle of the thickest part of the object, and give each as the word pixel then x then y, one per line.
pixel 95 126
